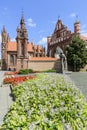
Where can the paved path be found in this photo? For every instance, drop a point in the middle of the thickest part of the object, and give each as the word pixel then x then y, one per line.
pixel 1 77
pixel 80 79
pixel 5 98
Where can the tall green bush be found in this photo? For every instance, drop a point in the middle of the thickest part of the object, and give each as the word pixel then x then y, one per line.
pixel 77 53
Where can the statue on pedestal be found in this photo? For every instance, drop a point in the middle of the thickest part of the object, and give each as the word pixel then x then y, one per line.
pixel 63 59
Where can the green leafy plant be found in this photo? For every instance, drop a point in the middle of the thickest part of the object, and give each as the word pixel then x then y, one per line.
pixel 50 71
pixel 25 71
pixel 30 71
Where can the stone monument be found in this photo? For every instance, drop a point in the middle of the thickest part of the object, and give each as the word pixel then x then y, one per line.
pixel 59 53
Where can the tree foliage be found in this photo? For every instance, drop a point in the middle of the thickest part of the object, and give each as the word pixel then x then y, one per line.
pixel 77 53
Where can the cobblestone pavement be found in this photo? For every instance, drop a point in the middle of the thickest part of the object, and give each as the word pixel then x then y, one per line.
pixel 80 79
pixel 5 98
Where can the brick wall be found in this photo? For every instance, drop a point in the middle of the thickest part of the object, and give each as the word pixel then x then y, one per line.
pixel 18 64
pixel 22 64
pixel 44 65
pixel 25 63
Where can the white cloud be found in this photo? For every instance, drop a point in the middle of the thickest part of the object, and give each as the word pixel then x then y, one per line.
pixel 73 15
pixel 13 39
pixel 43 41
pixel 31 23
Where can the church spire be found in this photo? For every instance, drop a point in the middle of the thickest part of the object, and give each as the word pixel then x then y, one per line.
pixel 4 30
pixel 22 22
pixel 4 35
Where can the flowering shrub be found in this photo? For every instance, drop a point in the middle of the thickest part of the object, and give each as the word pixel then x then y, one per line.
pixel 47 103
pixel 15 80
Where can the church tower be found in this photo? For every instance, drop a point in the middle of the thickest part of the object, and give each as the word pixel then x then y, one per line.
pixel 4 48
pixel 22 41
pixel 77 27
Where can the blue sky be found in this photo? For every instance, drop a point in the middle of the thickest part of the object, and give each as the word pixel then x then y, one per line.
pixel 41 16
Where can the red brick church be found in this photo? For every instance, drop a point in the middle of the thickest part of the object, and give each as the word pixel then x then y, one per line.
pixel 61 37
pixel 16 54
pixel 22 54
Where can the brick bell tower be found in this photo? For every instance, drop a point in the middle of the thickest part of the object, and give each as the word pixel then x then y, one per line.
pixel 77 27
pixel 22 41
pixel 4 49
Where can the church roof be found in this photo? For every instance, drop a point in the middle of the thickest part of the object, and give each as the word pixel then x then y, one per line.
pixel 30 47
pixel 12 46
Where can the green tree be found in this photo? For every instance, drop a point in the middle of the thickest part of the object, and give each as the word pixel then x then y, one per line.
pixel 77 53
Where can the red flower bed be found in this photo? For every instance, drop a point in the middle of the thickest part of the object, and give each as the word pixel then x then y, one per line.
pixel 17 80
pixel 11 73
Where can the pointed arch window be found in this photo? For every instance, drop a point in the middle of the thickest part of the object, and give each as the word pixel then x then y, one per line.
pixel 12 59
pixel 22 49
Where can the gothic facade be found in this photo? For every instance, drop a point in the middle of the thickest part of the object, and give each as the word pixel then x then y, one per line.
pixel 16 55
pixel 61 37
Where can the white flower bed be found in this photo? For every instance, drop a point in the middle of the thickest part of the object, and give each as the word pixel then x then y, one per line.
pixel 47 103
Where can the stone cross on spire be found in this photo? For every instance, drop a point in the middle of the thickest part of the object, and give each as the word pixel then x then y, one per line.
pixel 22 23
